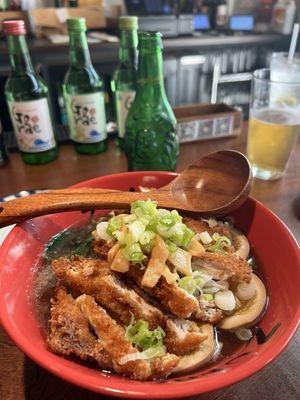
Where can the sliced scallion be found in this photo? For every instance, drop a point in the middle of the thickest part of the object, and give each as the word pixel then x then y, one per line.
pixel 244 334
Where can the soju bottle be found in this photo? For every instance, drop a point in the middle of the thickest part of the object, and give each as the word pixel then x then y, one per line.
pixel 28 100
pixel 84 95
pixel 150 139
pixel 125 75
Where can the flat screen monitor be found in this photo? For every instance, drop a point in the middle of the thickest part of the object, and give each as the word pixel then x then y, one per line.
pixel 241 23
pixel 201 22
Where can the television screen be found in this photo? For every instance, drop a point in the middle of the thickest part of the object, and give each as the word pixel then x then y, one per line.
pixel 201 22
pixel 241 23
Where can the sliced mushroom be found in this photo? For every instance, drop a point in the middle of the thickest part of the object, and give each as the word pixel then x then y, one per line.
pixel 241 244
pixel 204 354
pixel 250 311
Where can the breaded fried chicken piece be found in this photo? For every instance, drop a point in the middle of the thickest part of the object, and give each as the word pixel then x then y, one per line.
pixel 208 311
pixel 123 302
pixel 106 288
pixel 223 266
pixel 175 299
pixel 130 301
pixel 182 336
pixel 177 341
pixel 163 366
pixel 112 336
pixel 183 305
pixel 101 248
pixel 118 347
pixel 180 303
pixel 171 296
pixel 69 331
pixel 199 226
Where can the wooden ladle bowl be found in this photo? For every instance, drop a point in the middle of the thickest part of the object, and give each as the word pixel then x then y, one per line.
pixel 217 184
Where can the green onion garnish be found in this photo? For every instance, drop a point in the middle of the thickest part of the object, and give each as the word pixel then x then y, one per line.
pixel 150 342
pixel 135 232
pixel 114 224
pixel 192 284
pixel 221 243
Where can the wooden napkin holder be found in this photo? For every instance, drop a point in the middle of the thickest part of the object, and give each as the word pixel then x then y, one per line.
pixel 207 121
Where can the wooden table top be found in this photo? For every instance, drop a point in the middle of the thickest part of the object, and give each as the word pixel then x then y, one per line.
pixel 22 379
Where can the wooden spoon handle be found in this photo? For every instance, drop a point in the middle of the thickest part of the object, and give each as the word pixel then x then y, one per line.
pixel 53 201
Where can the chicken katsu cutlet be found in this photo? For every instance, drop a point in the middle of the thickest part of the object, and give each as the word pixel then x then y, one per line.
pixel 70 334
pixel 224 266
pixel 199 226
pixel 69 331
pixel 119 348
pixel 112 337
pixel 178 301
pixel 239 244
pixel 92 277
pixel 175 299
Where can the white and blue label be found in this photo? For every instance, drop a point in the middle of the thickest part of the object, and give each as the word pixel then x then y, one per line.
pixel 32 125
pixel 86 116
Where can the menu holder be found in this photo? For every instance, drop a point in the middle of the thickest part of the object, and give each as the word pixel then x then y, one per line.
pixel 207 121
pixel 53 20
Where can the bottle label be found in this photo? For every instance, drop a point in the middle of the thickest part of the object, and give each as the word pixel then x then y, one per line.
pixel 32 125
pixel 86 116
pixel 123 103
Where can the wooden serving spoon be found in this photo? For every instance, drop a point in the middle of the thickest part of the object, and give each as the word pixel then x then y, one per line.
pixel 215 185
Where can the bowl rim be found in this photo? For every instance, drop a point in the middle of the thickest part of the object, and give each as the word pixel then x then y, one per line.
pixel 142 389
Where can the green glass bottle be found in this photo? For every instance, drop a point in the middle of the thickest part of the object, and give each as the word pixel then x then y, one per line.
pixel 125 75
pixel 84 95
pixel 150 139
pixel 28 100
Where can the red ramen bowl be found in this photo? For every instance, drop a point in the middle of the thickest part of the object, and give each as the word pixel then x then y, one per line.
pixel 273 246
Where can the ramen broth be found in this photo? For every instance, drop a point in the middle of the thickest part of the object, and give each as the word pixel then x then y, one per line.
pixel 78 238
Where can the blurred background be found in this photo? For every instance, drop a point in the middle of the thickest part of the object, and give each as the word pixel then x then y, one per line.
pixel 211 47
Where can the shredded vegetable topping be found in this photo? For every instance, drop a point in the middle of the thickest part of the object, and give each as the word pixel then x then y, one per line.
pixel 193 284
pixel 221 243
pixel 150 342
pixel 136 232
pixel 205 237
pixel 162 245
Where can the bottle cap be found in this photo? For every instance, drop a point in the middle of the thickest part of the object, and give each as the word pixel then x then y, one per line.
pixel 128 23
pixel 76 24
pixel 150 40
pixel 14 27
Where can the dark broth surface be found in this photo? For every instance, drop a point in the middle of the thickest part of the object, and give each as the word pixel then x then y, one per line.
pixel 77 240
pixel 74 240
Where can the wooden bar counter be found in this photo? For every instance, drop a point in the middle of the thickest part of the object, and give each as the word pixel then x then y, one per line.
pixel 22 379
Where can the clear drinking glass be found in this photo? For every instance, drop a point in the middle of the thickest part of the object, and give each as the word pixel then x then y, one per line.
pixel 274 124
pixel 282 70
